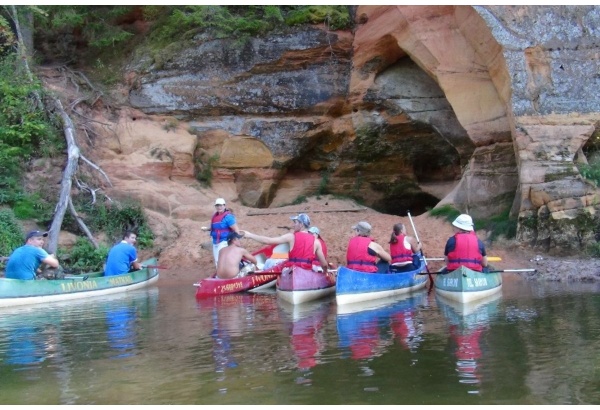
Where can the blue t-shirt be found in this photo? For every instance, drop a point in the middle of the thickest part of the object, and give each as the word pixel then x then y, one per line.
pixel 119 259
pixel 24 261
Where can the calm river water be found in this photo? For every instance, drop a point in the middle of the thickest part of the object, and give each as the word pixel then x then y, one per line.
pixel 536 343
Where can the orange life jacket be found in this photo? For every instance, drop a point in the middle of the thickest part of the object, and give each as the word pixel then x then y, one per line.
pixel 357 255
pixel 466 252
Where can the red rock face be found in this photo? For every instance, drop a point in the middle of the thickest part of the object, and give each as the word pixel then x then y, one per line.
pixel 419 106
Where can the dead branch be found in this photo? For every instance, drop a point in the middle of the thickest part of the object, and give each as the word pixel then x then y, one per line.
pixel 257 213
pixel 97 168
pixel 82 224
pixel 73 154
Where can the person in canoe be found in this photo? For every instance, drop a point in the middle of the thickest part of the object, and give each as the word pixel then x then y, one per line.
pixel 363 251
pixel 403 250
pixel 122 258
pixel 464 248
pixel 25 261
pixel 222 223
pixel 316 265
pixel 231 257
pixel 302 244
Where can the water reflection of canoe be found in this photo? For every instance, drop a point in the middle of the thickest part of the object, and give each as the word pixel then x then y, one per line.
pixel 467 324
pixel 305 324
pixel 466 285
pixel 15 292
pixel 252 282
pixel 296 285
pixel 354 286
pixel 367 328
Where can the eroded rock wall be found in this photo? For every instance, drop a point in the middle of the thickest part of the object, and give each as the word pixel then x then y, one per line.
pixel 481 107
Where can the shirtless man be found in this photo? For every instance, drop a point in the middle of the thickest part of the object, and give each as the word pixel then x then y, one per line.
pixel 228 265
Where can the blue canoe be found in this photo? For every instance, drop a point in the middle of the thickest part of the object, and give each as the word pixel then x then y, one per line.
pixel 354 286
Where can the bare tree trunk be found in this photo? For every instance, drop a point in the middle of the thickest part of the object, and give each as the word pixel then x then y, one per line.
pixel 82 224
pixel 67 178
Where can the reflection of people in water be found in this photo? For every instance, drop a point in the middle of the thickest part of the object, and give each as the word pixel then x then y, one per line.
pixel 365 343
pixel 467 352
pixel 25 346
pixel 408 333
pixel 120 332
pixel 305 338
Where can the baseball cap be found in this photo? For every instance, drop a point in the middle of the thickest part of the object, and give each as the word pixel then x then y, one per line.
pixel 35 234
pixel 464 222
pixel 220 201
pixel 315 230
pixel 303 218
pixel 363 227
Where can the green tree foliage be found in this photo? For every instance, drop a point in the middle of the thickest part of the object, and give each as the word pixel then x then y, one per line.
pixel 83 257
pixel 11 233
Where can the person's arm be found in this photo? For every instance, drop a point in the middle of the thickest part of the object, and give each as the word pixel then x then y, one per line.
pixel 321 256
pixel 414 245
pixel 380 251
pixel 285 238
pixel 249 257
pixel 136 265
pixel 484 259
pixel 51 261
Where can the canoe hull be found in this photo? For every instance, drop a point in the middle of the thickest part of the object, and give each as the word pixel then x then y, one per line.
pixel 465 285
pixel 252 282
pixel 16 292
pixel 354 286
pixel 297 285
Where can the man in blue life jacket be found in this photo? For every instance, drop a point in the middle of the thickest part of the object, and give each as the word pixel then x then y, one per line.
pixel 24 262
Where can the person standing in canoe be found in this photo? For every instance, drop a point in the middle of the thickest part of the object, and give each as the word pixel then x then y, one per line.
pixel 303 245
pixel 403 250
pixel 24 261
pixel 222 224
pixel 230 258
pixel 465 248
pixel 363 251
pixel 316 265
pixel 122 258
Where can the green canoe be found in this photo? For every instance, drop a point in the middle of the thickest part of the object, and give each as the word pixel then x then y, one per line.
pixel 14 292
pixel 466 285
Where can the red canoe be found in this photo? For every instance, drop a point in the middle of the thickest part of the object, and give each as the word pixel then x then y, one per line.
pixel 252 282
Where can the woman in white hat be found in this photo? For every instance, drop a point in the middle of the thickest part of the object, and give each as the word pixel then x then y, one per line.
pixel 222 224
pixel 465 248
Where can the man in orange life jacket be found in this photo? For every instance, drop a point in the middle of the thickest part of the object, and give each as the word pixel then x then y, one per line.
pixel 403 250
pixel 221 225
pixel 362 251
pixel 464 248
pixel 303 246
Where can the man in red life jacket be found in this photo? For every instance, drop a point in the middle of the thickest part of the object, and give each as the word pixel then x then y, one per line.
pixel 363 251
pixel 464 248
pixel 316 265
pixel 221 225
pixel 302 244
pixel 403 249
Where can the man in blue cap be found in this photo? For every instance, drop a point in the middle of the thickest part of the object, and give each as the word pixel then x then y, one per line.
pixel 24 262
pixel 302 244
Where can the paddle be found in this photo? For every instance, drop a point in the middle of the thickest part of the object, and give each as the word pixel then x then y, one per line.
pixel 490 259
pixel 418 241
pixel 492 271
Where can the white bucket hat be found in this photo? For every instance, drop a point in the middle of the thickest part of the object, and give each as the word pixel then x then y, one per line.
pixel 463 222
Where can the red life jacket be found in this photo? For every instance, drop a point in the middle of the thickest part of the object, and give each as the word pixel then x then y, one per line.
pixel 218 229
pixel 315 261
pixel 398 252
pixel 357 256
pixel 466 252
pixel 303 251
